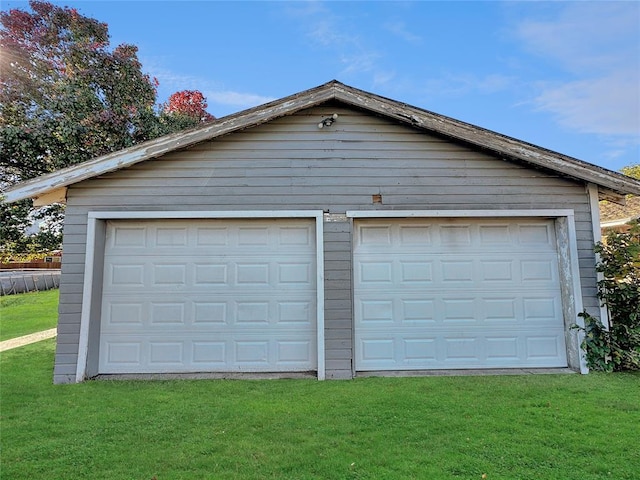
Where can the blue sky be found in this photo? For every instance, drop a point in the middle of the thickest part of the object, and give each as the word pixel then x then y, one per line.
pixel 561 75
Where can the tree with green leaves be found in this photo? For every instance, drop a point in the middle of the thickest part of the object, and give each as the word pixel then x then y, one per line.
pixel 619 347
pixel 66 96
pixel 632 170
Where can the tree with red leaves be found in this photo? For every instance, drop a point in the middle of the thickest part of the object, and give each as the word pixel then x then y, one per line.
pixel 189 103
pixel 66 96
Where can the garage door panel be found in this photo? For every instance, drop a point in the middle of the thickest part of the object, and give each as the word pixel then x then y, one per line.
pixel 166 353
pixel 473 349
pixel 419 310
pixel 503 348
pixel 127 237
pixel 209 274
pixel 447 293
pixel 119 274
pixel 199 295
pixel 119 354
pixel 289 273
pixel 170 234
pixel 206 353
pixel 539 270
pixel 440 271
pixel 206 313
pixel 294 352
pixel 420 350
pixel 416 352
pixel 542 309
pixel 525 235
pixel 486 308
pixel 194 250
pixel 501 309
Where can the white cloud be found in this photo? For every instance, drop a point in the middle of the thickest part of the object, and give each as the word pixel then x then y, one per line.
pixel 597 46
pixel 228 97
pixel 326 33
pixel 359 62
pixel 457 85
pixel 304 9
pixel 614 154
pixel 381 78
pixel 606 105
pixel 493 83
pixel 584 36
pixel 399 29
pixel 339 36
pixel 214 93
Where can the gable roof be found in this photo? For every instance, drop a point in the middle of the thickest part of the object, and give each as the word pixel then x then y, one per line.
pixel 611 183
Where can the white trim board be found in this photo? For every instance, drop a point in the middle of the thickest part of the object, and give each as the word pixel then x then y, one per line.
pixel 151 215
pixel 594 203
pixel 457 213
pixel 95 218
pixel 87 299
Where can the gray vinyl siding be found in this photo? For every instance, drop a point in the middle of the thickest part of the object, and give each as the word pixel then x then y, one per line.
pixel 290 164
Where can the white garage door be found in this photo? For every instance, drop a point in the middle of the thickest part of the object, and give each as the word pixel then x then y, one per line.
pixel 465 293
pixel 209 296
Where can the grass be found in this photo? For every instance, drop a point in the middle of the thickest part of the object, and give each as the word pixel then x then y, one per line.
pixel 27 313
pixel 512 427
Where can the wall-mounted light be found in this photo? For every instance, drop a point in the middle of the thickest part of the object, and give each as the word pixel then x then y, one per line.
pixel 328 121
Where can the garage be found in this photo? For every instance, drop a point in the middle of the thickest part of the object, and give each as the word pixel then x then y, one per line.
pixel 391 239
pixel 209 295
pixel 447 293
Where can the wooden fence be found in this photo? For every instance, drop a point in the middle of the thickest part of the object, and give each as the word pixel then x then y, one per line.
pixel 40 264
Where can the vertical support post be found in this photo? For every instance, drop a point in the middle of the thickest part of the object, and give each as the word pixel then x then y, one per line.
pixel 594 203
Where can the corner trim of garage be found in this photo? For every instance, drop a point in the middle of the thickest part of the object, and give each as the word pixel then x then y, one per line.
pixel 96 221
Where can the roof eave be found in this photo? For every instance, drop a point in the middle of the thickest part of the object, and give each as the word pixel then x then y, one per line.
pixel 490 141
pixel 168 143
pixel 618 223
pixel 503 146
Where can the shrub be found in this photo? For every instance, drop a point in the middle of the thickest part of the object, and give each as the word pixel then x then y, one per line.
pixel 619 347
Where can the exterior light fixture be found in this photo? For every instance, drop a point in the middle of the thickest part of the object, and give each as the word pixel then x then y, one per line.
pixel 328 121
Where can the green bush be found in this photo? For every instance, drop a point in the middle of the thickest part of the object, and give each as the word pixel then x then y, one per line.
pixel 619 347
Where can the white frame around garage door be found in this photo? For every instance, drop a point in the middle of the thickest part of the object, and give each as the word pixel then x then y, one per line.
pixel 567 252
pixel 96 225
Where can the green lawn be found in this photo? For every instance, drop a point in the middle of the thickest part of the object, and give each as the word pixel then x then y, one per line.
pixel 559 427
pixel 26 313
